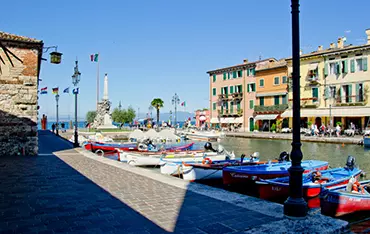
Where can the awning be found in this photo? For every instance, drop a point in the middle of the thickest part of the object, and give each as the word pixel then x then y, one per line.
pixel 265 117
pixel 312 66
pixel 214 120
pixel 335 112
pixel 202 118
pixel 271 94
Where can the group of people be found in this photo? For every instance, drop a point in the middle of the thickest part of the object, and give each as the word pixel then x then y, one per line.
pixel 323 130
pixel 54 126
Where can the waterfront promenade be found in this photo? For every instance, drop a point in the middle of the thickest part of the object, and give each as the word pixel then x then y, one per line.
pixel 73 191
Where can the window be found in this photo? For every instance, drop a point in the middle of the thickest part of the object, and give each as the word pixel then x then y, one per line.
pixel 276 100
pixel 276 80
pixel 238 89
pixel 214 91
pixel 359 93
pixel 228 75
pixel 359 66
pixel 214 106
pixel 344 66
pixel 240 73
pixel 315 94
pixel 262 82
pixel 253 87
pixel 214 78
pixel 251 72
pixel 231 89
pixel 332 68
pixel 284 99
pixel 234 74
pixel 238 106
pixel 333 91
pixel 284 80
pixel 231 107
pixel 346 93
pixel 251 104
pixel 224 75
pixel 262 101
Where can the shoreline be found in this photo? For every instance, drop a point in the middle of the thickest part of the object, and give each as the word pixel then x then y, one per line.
pixel 288 136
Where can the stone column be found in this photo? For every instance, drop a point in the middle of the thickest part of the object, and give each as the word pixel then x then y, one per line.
pixel 105 95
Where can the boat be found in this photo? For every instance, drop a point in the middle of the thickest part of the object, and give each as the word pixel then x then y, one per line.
pixel 175 166
pixel 207 171
pixel 342 200
pixel 109 147
pixel 243 174
pixel 312 183
pixel 366 141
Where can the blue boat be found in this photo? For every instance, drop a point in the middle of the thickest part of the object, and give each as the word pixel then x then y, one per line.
pixel 240 174
pixel 367 141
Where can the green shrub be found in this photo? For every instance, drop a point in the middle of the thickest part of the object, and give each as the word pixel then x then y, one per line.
pixel 339 123
pixel 273 127
pixel 255 127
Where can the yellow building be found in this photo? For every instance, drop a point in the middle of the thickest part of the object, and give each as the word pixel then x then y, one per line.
pixel 334 85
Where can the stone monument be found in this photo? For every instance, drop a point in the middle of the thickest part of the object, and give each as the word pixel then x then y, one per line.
pixel 103 119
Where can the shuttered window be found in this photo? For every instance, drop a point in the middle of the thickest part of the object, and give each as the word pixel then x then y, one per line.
pixel 214 106
pixel 214 91
pixel 214 78
pixel 352 66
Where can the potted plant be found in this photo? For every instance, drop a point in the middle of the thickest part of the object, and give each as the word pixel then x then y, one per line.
pixel 273 128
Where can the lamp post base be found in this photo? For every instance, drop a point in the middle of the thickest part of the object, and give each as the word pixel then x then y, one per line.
pixel 295 208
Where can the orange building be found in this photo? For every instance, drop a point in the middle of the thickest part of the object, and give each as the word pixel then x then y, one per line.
pixel 271 93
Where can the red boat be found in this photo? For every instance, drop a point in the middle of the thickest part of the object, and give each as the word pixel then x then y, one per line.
pixel 244 174
pixel 339 201
pixel 109 147
pixel 312 184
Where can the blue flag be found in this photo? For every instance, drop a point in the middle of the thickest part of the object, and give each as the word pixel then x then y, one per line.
pixel 66 90
pixel 75 91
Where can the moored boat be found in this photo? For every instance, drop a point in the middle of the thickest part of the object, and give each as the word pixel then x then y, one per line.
pixel 312 183
pixel 342 200
pixel 242 174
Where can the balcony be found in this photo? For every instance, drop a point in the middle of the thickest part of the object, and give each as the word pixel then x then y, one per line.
pixel 354 100
pixel 312 79
pixel 311 102
pixel 230 113
pixel 237 96
pixel 223 97
pixel 271 109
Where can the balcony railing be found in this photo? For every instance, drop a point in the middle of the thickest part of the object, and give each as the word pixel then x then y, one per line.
pixel 223 96
pixel 312 79
pixel 274 108
pixel 230 112
pixel 312 102
pixel 353 100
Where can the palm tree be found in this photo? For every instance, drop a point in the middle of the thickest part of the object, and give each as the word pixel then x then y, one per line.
pixel 157 103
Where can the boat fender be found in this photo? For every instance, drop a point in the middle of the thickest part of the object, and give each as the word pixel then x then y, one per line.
pixel 99 152
pixel 356 186
pixel 351 161
pixel 207 161
pixel 208 146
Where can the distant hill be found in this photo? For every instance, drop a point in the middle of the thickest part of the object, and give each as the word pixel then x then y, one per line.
pixel 181 115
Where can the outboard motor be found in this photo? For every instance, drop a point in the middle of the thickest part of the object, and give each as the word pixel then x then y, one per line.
pixel 208 146
pixel 142 147
pixel 284 157
pixel 242 158
pixel 351 161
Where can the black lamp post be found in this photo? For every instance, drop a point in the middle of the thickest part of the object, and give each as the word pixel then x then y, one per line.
pixel 175 101
pixel 75 80
pixel 295 205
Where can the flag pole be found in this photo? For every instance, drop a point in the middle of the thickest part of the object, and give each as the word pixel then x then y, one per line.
pixel 97 82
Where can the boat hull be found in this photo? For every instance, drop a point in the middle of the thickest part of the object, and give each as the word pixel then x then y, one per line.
pixel 338 203
pixel 231 176
pixel 132 147
pixel 366 142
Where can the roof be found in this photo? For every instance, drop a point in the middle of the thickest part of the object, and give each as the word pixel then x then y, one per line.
pixel 13 37
pixel 235 67
pixel 278 64
pixel 330 51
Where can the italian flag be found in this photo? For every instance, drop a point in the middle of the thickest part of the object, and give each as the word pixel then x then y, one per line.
pixel 94 57
pixel 183 103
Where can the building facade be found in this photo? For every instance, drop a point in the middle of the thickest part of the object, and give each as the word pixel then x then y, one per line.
pixel 271 94
pixel 202 118
pixel 335 86
pixel 19 95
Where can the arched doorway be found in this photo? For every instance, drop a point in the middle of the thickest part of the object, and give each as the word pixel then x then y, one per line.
pixel 251 124
pixel 318 121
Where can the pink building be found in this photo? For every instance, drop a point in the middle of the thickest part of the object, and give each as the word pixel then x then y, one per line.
pixel 233 96
pixel 202 117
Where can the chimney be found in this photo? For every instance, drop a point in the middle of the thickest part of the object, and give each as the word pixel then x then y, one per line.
pixel 340 43
pixel 320 48
pixel 332 45
pixel 245 61
pixel 368 36
pixel 300 52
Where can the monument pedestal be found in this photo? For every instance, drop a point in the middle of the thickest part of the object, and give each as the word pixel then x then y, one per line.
pixel 107 123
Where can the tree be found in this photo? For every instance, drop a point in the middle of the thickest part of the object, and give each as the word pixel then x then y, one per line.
pixel 157 103
pixel 90 116
pixel 130 114
pixel 123 115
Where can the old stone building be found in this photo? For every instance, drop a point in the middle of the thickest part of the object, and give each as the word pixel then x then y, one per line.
pixel 20 67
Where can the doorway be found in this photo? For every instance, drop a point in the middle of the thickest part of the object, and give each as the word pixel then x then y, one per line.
pixel 251 124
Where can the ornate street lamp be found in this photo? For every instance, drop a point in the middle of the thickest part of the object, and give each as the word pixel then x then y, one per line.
pixel 175 101
pixel 57 104
pixel 75 80
pixel 295 205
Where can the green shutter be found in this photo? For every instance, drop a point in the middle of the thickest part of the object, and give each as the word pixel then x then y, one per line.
pixel 262 101
pixel 238 106
pixel 222 109
pixel 315 93
pixel 276 100
pixel 214 91
pixel 326 68
pixel 231 89
pixel 231 107
pixel 222 90
pixel 228 75
pixel 349 93
pixel 352 65
pixel 364 64
pixel 248 88
pixel 214 106
pixel 224 75
pixel 251 104
pixel 357 92
pixel 338 67
pixel 345 68
pixel 284 97
pixel 248 72
pixel 234 74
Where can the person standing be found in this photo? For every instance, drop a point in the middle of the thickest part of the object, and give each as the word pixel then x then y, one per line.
pixel 53 127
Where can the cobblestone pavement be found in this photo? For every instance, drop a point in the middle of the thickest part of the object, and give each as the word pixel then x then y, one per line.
pixel 74 194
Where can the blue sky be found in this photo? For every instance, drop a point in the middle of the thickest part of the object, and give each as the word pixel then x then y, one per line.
pixel 156 48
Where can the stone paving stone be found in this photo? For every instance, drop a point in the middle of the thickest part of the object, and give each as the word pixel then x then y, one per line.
pixel 74 194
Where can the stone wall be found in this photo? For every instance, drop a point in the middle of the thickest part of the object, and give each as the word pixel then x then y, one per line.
pixel 18 102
